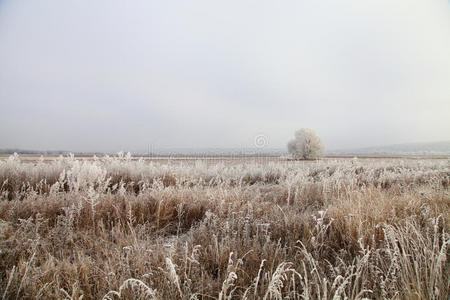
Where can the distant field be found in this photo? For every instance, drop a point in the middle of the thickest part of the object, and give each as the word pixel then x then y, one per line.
pixel 224 228
pixel 240 158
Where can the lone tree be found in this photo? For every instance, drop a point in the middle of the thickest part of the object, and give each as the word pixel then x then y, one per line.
pixel 306 145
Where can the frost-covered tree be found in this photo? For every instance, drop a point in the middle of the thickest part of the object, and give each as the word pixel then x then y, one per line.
pixel 306 145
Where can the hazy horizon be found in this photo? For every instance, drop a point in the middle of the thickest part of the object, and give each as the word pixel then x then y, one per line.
pixel 105 76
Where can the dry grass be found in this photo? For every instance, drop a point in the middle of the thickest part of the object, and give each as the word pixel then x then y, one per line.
pixel 117 228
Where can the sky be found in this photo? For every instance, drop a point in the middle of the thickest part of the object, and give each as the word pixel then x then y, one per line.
pixel 106 75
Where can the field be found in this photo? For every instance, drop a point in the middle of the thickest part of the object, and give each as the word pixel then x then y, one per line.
pixel 246 228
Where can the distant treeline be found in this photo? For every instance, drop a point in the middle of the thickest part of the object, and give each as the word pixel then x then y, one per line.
pixel 32 152
pixel 160 153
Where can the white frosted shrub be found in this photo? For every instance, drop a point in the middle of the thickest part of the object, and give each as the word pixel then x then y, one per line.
pixel 306 145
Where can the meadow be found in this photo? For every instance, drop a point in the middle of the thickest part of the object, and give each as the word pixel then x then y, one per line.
pixel 127 228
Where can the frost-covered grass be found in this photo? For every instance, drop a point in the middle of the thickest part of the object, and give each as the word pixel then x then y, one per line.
pixel 118 228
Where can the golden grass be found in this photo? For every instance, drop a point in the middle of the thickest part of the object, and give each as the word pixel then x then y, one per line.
pixel 116 228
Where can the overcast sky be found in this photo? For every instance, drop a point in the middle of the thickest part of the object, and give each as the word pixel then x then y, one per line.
pixel 111 75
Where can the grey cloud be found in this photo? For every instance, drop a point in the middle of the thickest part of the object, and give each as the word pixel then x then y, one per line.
pixel 106 75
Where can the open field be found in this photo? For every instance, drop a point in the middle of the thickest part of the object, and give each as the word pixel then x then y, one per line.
pixel 221 228
pixel 240 158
